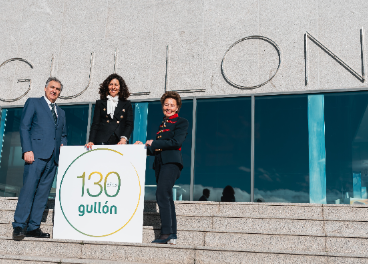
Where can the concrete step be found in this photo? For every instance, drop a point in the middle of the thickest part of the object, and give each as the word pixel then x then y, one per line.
pixel 17 259
pixel 251 242
pixel 128 252
pixel 326 212
pixel 269 226
pixel 292 232
pixel 6 230
pixel 7 216
pixel 233 240
pixel 10 203
pixel 330 228
pixel 150 253
pixel 224 239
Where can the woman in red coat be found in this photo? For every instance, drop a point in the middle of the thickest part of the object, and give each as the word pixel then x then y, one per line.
pixel 168 162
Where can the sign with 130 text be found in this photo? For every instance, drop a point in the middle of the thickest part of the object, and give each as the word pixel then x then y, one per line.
pixel 100 193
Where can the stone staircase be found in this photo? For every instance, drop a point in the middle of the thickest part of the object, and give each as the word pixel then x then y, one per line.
pixel 211 232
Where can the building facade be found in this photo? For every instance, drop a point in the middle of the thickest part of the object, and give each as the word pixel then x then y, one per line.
pixel 275 91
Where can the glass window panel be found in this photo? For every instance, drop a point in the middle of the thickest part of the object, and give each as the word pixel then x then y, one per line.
pixel 154 118
pixel 346 121
pixel 281 149
pixel 11 162
pixel 131 139
pixel 222 152
pixel 76 123
pixel 92 112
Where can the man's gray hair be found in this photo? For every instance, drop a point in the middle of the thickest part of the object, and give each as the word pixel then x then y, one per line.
pixel 55 80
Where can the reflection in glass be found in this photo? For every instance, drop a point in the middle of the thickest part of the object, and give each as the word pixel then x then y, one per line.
pixel 222 151
pixel 154 119
pixel 317 149
pixel 11 162
pixel 346 118
pixel 281 172
pixel 140 118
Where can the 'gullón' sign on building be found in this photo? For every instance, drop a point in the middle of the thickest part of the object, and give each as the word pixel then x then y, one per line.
pixel 100 193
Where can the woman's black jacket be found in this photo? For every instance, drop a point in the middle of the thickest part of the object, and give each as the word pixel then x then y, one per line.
pixel 103 126
pixel 169 139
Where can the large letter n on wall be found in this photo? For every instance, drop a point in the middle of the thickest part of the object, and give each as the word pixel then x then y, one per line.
pixel 329 52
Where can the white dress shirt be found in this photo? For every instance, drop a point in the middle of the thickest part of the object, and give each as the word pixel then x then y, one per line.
pixel 112 102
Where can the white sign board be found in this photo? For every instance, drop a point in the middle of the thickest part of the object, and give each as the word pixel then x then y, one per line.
pixel 100 193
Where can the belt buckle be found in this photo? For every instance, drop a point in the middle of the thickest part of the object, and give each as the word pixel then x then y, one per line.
pixel 158 149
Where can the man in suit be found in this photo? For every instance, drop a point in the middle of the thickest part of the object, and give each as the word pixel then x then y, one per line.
pixel 42 132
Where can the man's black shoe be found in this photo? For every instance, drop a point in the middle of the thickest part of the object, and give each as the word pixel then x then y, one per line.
pixel 37 233
pixel 18 233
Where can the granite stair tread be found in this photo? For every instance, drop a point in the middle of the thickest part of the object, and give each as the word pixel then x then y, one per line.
pixel 212 232
pixel 40 259
pixel 334 229
pixel 90 250
pixel 251 242
pixel 326 212
pixel 230 224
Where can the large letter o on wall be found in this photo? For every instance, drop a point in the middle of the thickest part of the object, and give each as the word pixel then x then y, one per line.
pixel 239 86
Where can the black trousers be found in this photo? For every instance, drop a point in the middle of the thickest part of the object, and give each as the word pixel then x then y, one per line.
pixel 166 175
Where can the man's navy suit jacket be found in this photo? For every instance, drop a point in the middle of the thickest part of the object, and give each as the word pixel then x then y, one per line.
pixel 38 132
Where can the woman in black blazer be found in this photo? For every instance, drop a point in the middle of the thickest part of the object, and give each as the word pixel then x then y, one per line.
pixel 168 162
pixel 113 115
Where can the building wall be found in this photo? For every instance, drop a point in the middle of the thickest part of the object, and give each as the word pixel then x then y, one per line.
pixel 197 33
pixel 181 45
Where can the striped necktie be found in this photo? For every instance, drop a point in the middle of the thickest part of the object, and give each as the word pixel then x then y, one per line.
pixel 53 113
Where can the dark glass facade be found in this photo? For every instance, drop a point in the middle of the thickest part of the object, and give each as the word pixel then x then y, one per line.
pixel 281 169
pixel 222 150
pixel 11 162
pixel 346 117
pixel 309 148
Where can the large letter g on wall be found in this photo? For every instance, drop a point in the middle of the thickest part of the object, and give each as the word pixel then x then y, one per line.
pixel 19 80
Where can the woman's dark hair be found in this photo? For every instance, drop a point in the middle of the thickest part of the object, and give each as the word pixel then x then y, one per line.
pixel 104 87
pixel 173 95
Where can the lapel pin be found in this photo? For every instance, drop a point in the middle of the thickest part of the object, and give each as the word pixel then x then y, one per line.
pixel 104 109
pixel 123 110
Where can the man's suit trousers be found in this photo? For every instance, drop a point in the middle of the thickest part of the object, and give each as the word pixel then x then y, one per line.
pixel 37 182
pixel 166 175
